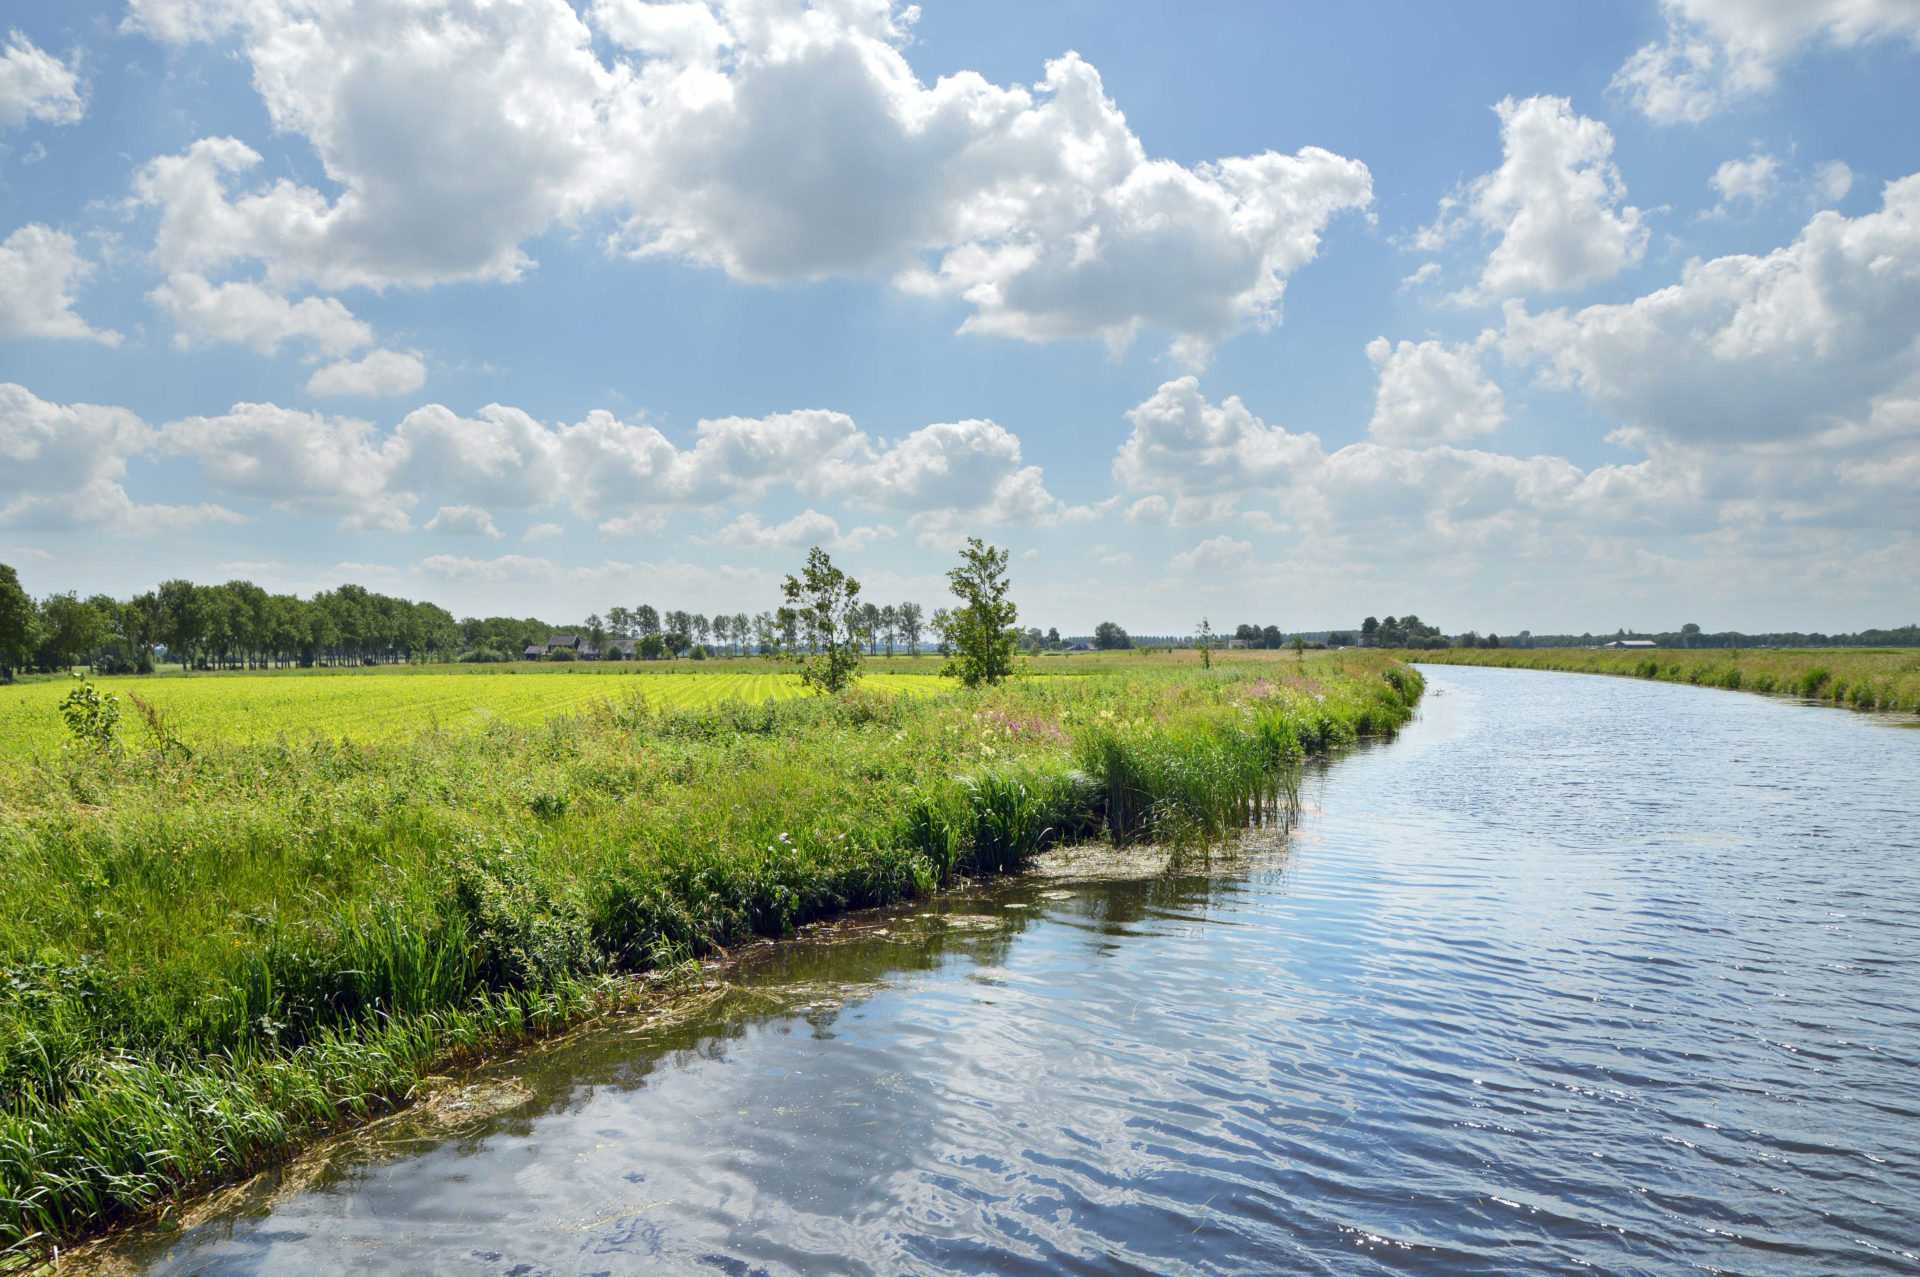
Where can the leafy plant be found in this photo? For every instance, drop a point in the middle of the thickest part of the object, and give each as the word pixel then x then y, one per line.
pixel 92 717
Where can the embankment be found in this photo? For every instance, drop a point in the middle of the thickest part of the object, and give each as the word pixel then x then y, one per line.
pixel 1859 678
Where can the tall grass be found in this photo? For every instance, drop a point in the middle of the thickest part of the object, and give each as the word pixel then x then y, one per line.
pixel 209 951
pixel 1859 678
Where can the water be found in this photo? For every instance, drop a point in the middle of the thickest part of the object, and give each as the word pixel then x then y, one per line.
pixel 1580 972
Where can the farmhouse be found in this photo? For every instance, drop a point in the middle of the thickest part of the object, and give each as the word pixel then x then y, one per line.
pixel 1631 643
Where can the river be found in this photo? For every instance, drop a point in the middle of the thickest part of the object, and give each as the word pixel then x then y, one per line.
pixel 1579 972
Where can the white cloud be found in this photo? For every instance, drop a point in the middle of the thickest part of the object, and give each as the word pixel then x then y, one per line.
pixel 508 567
pixel 1832 181
pixel 1194 458
pixel 1216 556
pixel 809 527
pixel 35 85
pixel 1751 347
pixel 1752 182
pixel 64 465
pixel 1718 51
pixel 377 374
pixel 245 314
pixel 1557 202
pixel 1423 275
pixel 1431 392
pixel 772 141
pixel 299 461
pixel 463 521
pixel 543 532
pixel 39 268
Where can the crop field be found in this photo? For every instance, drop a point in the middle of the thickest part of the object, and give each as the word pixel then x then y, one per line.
pixel 377 706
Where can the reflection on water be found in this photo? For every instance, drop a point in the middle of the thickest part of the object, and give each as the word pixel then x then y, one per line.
pixel 1580 971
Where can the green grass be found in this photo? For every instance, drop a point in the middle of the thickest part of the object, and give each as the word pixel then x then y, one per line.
pixel 1860 678
pixel 208 954
pixel 395 702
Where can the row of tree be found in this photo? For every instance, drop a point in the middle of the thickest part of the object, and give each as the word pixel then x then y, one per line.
pixel 1403 631
pixel 230 626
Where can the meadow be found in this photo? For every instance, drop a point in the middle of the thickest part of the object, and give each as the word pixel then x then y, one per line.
pixel 238 922
pixel 1856 677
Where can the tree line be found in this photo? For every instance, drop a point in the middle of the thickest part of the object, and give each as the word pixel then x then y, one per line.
pixel 237 625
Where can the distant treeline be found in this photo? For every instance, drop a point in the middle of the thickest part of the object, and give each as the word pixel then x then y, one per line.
pixel 1692 636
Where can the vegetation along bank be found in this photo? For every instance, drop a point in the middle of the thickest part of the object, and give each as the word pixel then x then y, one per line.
pixel 1861 678
pixel 213 946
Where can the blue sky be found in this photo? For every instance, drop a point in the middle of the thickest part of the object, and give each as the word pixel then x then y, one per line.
pixel 1518 315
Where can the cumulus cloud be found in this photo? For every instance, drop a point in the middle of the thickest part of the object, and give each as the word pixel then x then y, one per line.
pixel 463 521
pixel 1832 181
pixel 1431 392
pixel 1750 182
pixel 298 461
pixel 1216 556
pixel 1194 459
pixel 626 476
pixel 809 527
pixel 1557 203
pixel 771 141
pixel 39 269
pixel 36 86
pixel 1751 346
pixel 64 465
pixel 377 374
pixel 543 532
pixel 245 314
pixel 1718 51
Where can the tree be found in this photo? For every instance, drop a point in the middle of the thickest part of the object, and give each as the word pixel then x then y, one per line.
pixel 909 617
pixel 596 632
pixel 889 626
pixel 1109 637
pixel 1369 631
pixel 646 621
pixel 824 603
pixel 939 624
pixel 981 629
pixel 1053 636
pixel 16 623
pixel 1206 644
pixel 70 629
pixel 181 621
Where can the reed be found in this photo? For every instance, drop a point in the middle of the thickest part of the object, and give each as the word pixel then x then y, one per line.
pixel 211 950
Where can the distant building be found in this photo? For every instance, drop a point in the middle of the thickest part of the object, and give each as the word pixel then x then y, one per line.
pixel 1631 643
pixel 534 652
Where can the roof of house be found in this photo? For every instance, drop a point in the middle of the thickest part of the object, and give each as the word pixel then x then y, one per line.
pixel 564 640
pixel 535 649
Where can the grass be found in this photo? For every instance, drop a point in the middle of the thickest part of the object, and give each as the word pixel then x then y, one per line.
pixel 1860 678
pixel 378 705
pixel 214 945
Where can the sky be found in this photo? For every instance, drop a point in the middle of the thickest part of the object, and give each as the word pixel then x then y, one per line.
pixel 1557 317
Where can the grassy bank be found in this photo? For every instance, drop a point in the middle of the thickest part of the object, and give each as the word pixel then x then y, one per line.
pixel 1861 678
pixel 213 949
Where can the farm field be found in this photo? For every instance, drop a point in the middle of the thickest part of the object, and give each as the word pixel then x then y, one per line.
pixel 375 705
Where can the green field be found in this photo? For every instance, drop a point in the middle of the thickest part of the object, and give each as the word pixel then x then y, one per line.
pixel 397 701
pixel 1856 677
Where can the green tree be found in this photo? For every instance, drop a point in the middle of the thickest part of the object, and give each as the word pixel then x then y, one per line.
pixel 71 629
pixel 911 624
pixel 1109 637
pixel 981 629
pixel 823 605
pixel 1205 641
pixel 17 616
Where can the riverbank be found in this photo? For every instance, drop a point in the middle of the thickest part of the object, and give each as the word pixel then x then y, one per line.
pixel 1858 678
pixel 215 951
